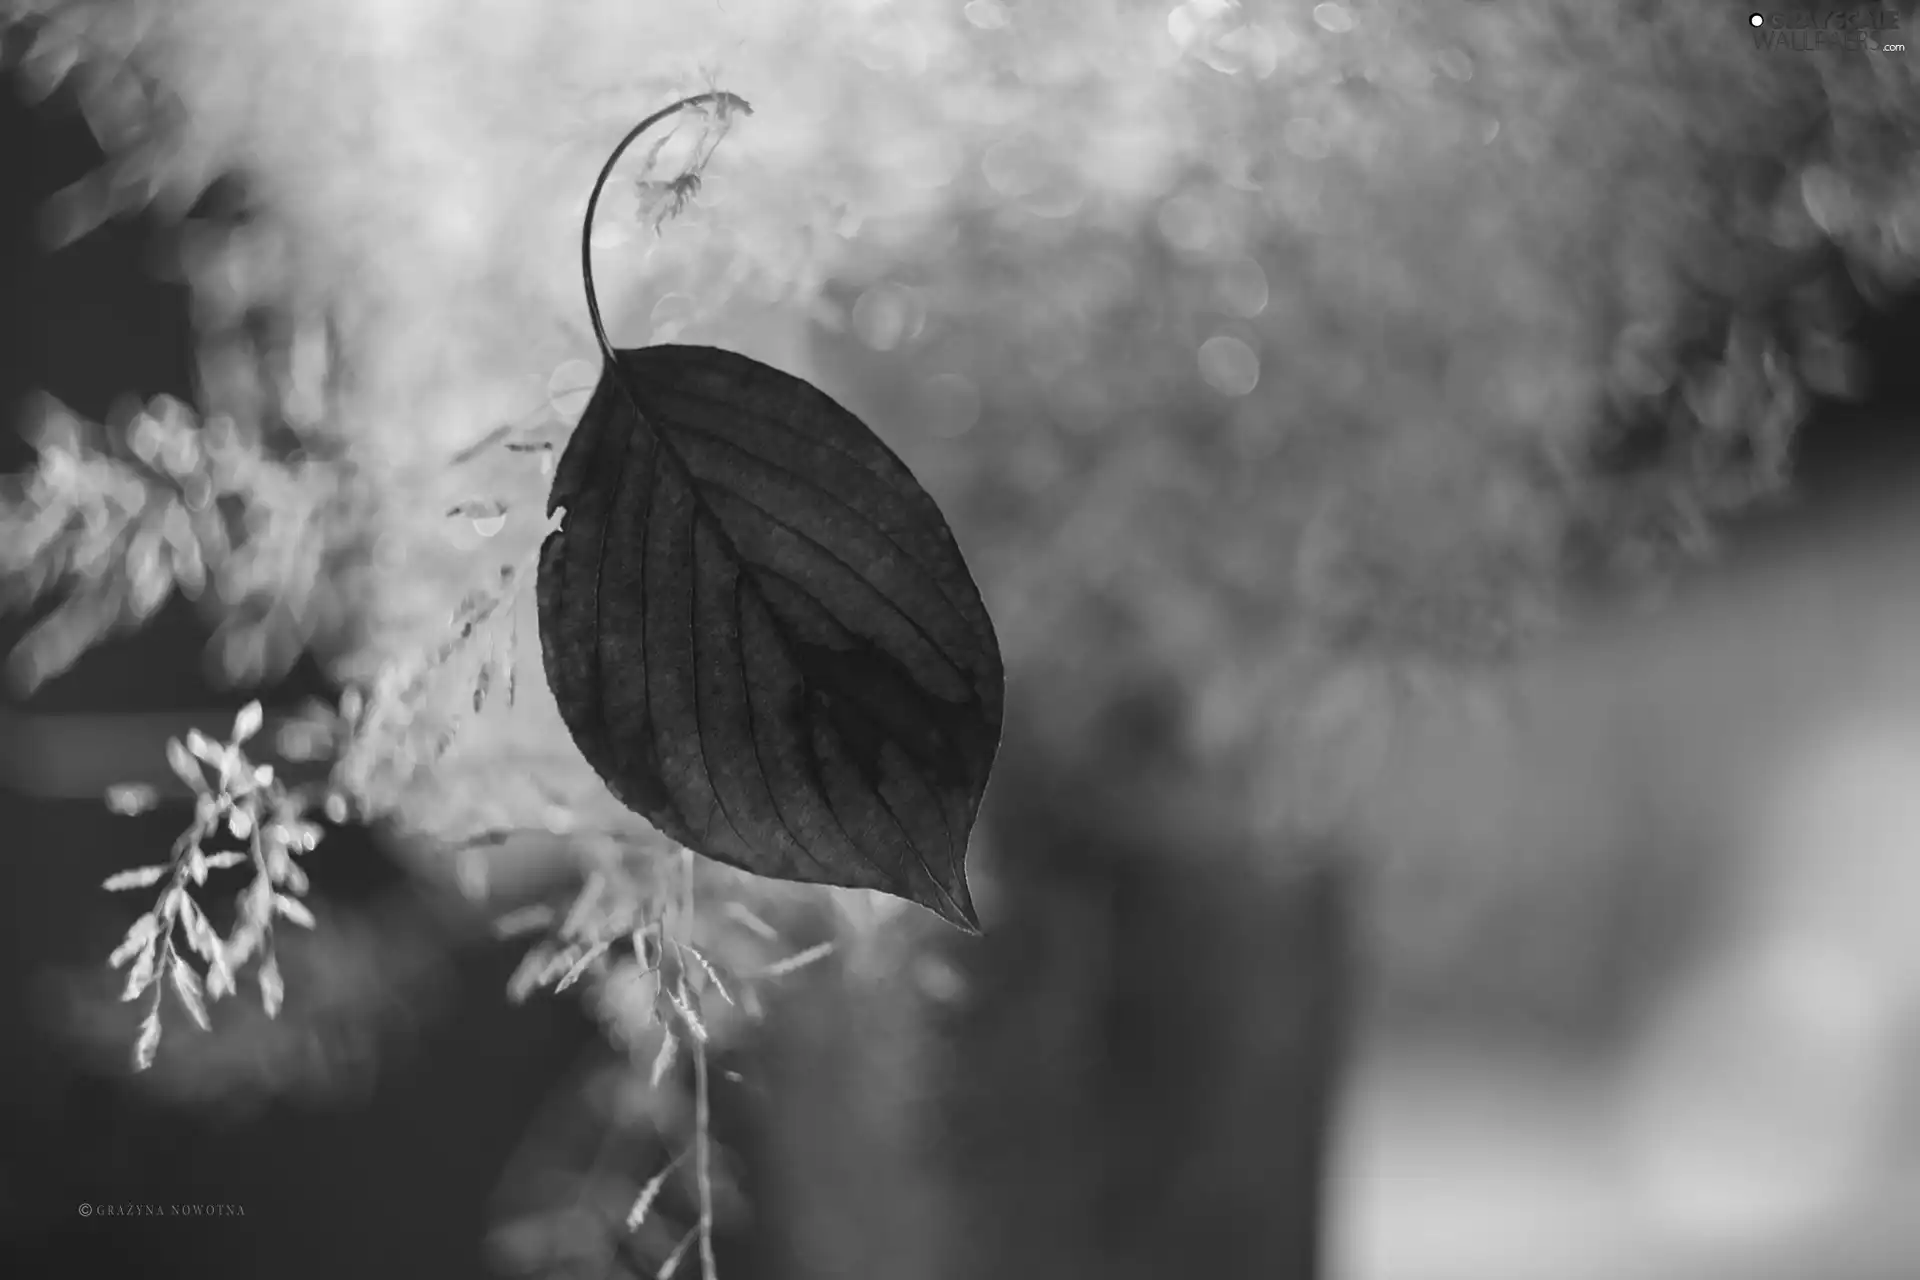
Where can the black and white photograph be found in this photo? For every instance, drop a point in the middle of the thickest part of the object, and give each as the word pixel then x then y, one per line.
pixel 959 640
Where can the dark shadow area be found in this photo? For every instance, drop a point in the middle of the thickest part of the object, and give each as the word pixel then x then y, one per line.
pixel 391 1180
pixel 1856 450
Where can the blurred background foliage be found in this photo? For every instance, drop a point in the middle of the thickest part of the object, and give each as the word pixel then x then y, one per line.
pixel 1295 375
pixel 1253 340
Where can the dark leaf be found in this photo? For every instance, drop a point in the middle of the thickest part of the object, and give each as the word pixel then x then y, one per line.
pixel 762 634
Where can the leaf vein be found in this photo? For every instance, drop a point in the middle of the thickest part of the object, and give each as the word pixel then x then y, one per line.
pixel 740 583
pixel 933 572
pixel 959 669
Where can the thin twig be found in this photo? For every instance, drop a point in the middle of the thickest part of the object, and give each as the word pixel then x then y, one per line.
pixel 702 1160
pixel 703 1154
pixel 726 102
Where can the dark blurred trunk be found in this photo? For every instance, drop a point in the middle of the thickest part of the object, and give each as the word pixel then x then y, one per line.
pixel 1132 1075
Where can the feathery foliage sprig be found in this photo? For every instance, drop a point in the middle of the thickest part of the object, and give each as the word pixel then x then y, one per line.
pixel 274 824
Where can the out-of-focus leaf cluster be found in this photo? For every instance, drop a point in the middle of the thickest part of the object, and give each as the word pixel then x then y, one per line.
pixel 1441 316
pixel 668 973
pixel 113 518
pixel 658 970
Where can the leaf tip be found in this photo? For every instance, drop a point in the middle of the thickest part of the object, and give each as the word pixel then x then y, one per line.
pixel 955 906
